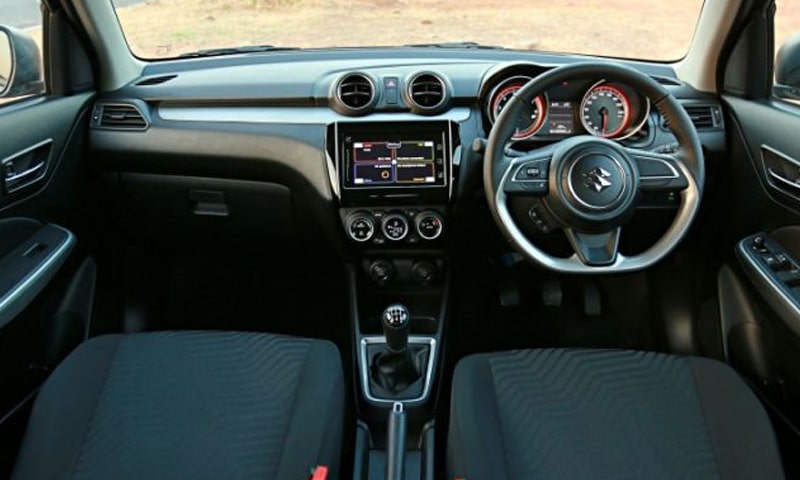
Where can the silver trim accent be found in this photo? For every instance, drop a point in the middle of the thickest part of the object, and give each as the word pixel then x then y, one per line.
pixel 639 156
pixel 390 216
pixel 771 174
pixel 490 101
pixel 45 165
pixel 424 214
pixel 364 367
pixel 530 180
pixel 369 220
pixel 448 164
pixel 758 274
pixel 690 201
pixel 410 96
pixel 583 202
pixel 634 130
pixel 19 297
pixel 293 115
pixel 100 125
pixel 784 181
pixel 372 99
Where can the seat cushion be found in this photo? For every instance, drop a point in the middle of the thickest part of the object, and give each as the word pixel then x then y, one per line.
pixel 605 414
pixel 188 405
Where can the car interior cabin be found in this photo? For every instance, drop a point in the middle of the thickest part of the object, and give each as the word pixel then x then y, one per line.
pixel 419 240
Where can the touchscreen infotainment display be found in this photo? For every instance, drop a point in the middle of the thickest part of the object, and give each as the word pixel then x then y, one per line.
pixel 380 156
pixel 394 163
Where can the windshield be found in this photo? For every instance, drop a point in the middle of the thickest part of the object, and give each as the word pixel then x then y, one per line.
pixel 643 29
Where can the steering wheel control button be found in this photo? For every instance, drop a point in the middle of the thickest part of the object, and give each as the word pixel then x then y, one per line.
pixel 530 178
pixel 430 225
pixel 395 227
pixel 361 227
pixel 597 181
pixel 538 218
pixel 535 171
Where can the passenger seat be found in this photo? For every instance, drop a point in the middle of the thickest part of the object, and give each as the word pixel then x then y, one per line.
pixel 188 405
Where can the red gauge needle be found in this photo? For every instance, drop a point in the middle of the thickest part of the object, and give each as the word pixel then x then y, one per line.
pixel 604 116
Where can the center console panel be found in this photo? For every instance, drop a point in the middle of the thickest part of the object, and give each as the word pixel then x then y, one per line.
pixel 394 181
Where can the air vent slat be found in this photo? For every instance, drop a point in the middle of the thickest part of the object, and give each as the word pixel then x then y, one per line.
pixel 701 115
pixel 356 92
pixel 119 116
pixel 704 117
pixel 427 92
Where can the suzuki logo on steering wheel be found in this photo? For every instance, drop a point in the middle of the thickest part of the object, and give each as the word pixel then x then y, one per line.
pixel 597 179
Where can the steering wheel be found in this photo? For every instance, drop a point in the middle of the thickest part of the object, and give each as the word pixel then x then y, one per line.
pixel 590 186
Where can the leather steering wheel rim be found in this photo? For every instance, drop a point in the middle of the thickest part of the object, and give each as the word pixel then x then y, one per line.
pixel 687 163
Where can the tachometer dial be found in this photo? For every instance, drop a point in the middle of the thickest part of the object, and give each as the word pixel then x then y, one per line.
pixel 605 111
pixel 532 116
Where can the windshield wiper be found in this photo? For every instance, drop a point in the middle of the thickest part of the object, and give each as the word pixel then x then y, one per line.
pixel 216 52
pixel 474 45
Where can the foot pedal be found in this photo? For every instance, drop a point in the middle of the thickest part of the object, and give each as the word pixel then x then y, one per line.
pixel 509 294
pixel 592 305
pixel 552 294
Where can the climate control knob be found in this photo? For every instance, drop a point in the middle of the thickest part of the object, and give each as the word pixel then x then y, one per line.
pixel 395 226
pixel 361 227
pixel 430 225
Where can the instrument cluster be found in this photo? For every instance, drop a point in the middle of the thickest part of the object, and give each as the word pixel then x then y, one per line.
pixel 583 106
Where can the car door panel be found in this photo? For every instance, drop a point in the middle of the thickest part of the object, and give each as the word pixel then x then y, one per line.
pixel 759 300
pixel 46 279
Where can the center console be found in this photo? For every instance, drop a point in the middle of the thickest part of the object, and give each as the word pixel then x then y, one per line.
pixel 394 181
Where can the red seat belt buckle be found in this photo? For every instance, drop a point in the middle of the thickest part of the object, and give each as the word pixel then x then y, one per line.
pixel 320 473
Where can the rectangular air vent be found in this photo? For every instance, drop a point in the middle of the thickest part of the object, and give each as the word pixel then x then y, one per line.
pixel 118 117
pixel 704 116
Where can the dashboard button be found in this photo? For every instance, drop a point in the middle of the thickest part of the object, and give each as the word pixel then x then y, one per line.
pixel 395 226
pixel 430 225
pixel 361 227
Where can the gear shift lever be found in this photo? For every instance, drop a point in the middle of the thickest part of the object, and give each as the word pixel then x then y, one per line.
pixel 396 321
pixel 396 367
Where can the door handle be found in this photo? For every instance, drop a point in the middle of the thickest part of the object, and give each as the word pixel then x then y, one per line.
pixel 14 181
pixel 25 168
pixel 794 184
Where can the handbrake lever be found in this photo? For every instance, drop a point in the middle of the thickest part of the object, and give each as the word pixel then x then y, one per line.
pixel 396 443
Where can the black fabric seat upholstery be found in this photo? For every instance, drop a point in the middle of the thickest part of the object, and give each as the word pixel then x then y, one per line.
pixel 572 414
pixel 191 405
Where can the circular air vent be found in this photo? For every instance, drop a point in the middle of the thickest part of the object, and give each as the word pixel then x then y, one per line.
pixel 427 92
pixel 355 93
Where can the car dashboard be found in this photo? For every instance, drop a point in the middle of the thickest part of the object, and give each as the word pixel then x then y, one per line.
pixel 364 148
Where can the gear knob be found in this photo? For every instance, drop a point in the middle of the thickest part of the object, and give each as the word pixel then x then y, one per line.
pixel 396 320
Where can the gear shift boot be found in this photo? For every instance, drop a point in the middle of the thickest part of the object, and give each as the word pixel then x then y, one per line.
pixel 397 376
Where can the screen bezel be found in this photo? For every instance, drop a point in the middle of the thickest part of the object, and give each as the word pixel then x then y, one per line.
pixel 412 130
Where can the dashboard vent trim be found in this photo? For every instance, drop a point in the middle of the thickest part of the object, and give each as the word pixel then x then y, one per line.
pixel 702 116
pixel 355 93
pixel 155 80
pixel 118 116
pixel 427 92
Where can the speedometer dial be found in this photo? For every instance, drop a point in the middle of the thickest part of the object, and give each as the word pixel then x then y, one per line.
pixel 605 111
pixel 532 116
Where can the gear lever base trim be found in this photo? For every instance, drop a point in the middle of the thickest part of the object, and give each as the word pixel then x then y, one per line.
pixel 364 368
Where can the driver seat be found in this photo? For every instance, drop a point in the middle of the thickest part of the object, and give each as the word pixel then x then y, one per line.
pixel 559 413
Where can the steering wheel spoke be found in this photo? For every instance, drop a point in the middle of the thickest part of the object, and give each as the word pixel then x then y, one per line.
pixel 527 177
pixel 595 249
pixel 528 174
pixel 659 172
